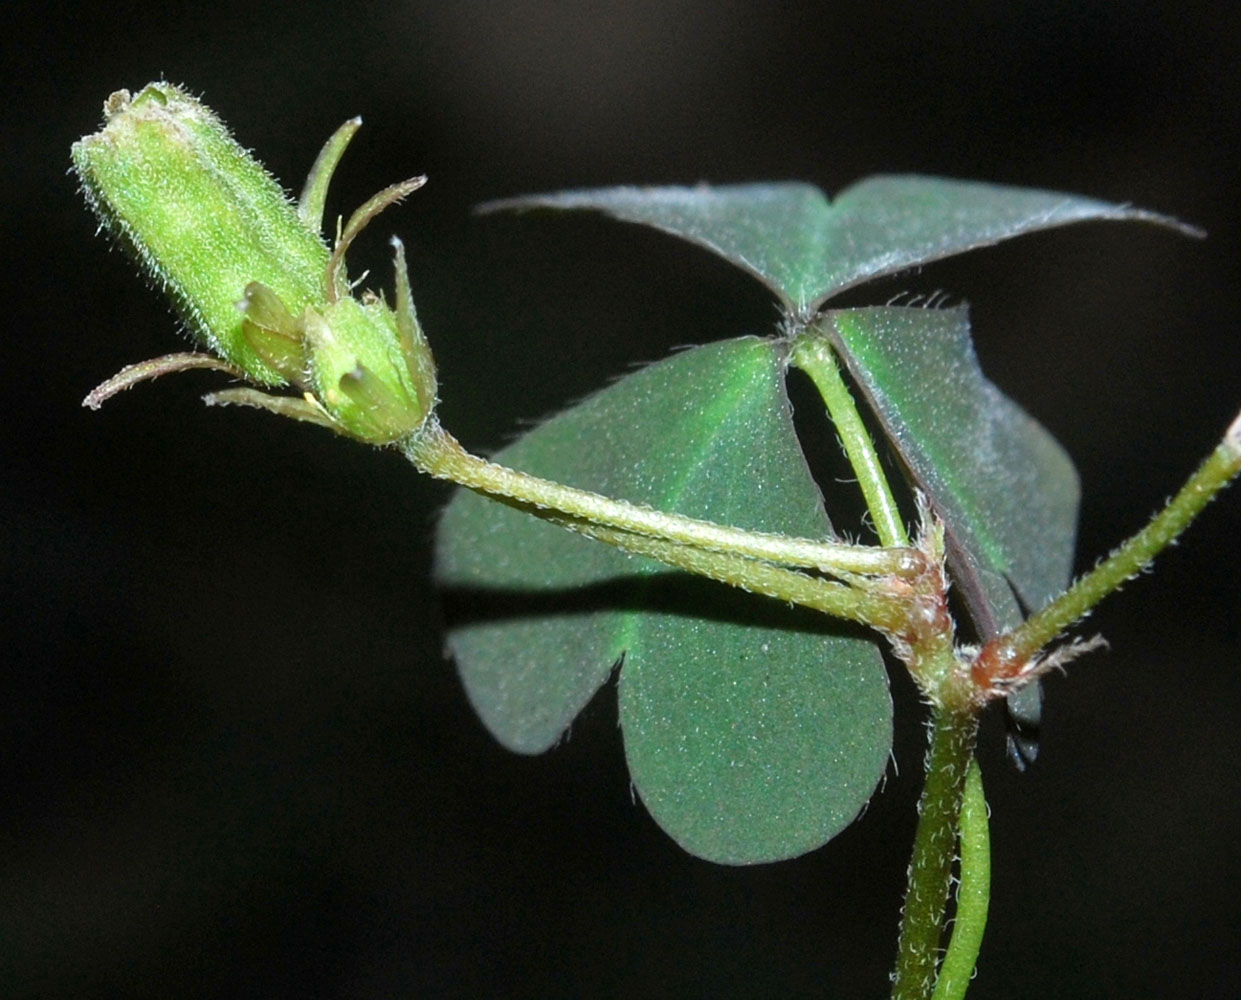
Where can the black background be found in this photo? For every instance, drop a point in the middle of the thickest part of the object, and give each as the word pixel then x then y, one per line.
pixel 234 761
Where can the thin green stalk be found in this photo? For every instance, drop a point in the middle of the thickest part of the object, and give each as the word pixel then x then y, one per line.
pixel 437 453
pixel 952 806
pixel 1219 469
pixel 953 733
pixel 973 893
pixel 755 576
pixel 813 354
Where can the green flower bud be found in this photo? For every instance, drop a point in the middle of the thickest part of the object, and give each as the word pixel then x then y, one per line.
pixel 249 272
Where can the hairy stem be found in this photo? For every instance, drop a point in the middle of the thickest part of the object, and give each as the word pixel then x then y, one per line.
pixel 953 733
pixel 812 353
pixel 839 600
pixel 973 893
pixel 434 451
pixel 1011 652
pixel 952 798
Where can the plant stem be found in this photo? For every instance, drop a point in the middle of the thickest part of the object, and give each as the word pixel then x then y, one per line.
pixel 437 453
pixel 813 354
pixel 973 893
pixel 953 732
pixel 952 798
pixel 1219 469
pixel 852 603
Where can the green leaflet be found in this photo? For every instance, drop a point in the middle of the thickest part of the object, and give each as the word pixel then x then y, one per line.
pixel 563 611
pixel 806 249
pixel 753 731
pixel 1005 489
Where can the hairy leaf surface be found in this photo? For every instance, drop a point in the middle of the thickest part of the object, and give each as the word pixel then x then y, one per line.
pixel 1004 487
pixel 806 249
pixel 753 731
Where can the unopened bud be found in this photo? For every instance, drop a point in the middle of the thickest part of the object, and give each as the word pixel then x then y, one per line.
pixel 248 270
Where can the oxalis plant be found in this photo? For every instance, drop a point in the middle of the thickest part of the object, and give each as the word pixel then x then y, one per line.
pixel 756 725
